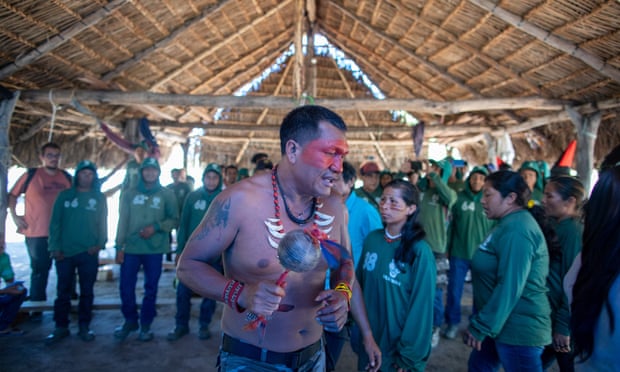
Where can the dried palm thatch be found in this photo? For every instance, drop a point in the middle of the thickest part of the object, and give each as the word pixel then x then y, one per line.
pixel 560 51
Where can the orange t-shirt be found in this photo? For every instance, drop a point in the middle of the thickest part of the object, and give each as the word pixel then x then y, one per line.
pixel 39 199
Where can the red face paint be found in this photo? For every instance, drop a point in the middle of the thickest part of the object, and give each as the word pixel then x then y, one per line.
pixel 325 154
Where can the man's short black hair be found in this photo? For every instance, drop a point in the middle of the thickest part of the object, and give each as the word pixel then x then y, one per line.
pixel 259 155
pixel 348 172
pixel 302 124
pixel 49 145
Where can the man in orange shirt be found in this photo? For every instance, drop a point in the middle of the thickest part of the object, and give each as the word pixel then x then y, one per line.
pixel 40 187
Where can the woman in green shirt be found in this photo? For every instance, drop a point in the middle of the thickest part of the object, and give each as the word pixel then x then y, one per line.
pixel 511 324
pixel 397 275
pixel 562 202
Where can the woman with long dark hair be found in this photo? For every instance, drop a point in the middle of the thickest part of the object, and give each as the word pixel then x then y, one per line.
pixel 397 276
pixel 596 293
pixel 509 271
pixel 562 202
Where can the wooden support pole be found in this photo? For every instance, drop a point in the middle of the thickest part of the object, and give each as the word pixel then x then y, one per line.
pixel 587 128
pixel 7 105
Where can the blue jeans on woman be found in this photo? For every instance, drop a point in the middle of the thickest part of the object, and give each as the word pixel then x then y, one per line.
pixel 184 304
pixel 152 264
pixel 87 266
pixel 456 281
pixel 512 358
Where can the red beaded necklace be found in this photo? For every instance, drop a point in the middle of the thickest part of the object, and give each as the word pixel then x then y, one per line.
pixel 276 185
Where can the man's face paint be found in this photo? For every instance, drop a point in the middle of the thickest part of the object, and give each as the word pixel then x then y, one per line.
pixel 325 154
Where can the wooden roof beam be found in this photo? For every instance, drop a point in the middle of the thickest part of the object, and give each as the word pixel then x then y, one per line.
pixel 543 120
pixel 550 39
pixel 203 54
pixel 120 68
pixel 364 104
pixel 61 38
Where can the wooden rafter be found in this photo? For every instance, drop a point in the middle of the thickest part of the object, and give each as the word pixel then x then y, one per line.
pixel 173 36
pixel 222 43
pixel 550 39
pixel 362 117
pixel 262 115
pixel 436 69
pixel 61 38
pixel 352 48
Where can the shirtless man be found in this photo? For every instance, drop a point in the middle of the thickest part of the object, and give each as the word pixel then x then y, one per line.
pixel 245 223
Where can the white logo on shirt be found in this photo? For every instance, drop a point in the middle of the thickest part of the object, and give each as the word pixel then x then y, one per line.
pixel 370 261
pixel 200 205
pixel 139 199
pixel 156 202
pixel 468 206
pixel 483 246
pixel 92 205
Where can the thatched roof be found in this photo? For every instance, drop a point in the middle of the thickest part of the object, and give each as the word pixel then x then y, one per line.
pixel 561 52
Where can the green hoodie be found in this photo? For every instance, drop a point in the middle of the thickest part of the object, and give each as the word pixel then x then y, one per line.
pixel 195 207
pixel 79 218
pixel 469 225
pixel 141 207
pixel 537 193
pixel 435 203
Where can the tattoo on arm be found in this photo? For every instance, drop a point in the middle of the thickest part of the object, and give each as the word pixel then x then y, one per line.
pixel 216 218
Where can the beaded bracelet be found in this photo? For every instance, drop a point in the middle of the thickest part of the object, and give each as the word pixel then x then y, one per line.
pixel 231 295
pixel 346 289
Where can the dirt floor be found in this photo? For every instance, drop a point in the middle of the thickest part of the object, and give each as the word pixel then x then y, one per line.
pixel 29 352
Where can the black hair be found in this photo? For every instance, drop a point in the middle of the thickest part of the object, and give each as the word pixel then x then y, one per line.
pixel 600 257
pixel 259 155
pixel 348 172
pixel 302 124
pixel 506 182
pixel 551 237
pixel 567 186
pixel 231 166
pixel 49 145
pixel 412 230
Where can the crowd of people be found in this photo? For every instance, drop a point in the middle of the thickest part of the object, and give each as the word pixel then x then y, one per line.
pixel 545 280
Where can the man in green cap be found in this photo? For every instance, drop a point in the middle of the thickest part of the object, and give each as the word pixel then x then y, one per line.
pixel 147 214
pixel 194 209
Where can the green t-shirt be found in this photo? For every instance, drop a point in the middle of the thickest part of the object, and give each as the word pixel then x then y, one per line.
pixel 509 274
pixel 399 304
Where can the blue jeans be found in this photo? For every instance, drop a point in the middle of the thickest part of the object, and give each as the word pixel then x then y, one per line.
pixel 456 281
pixel 9 307
pixel 87 266
pixel 40 265
pixel 184 304
pixel 512 358
pixel 152 264
pixel 438 307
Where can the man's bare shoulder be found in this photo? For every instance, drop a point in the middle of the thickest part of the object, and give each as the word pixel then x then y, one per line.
pixel 246 195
